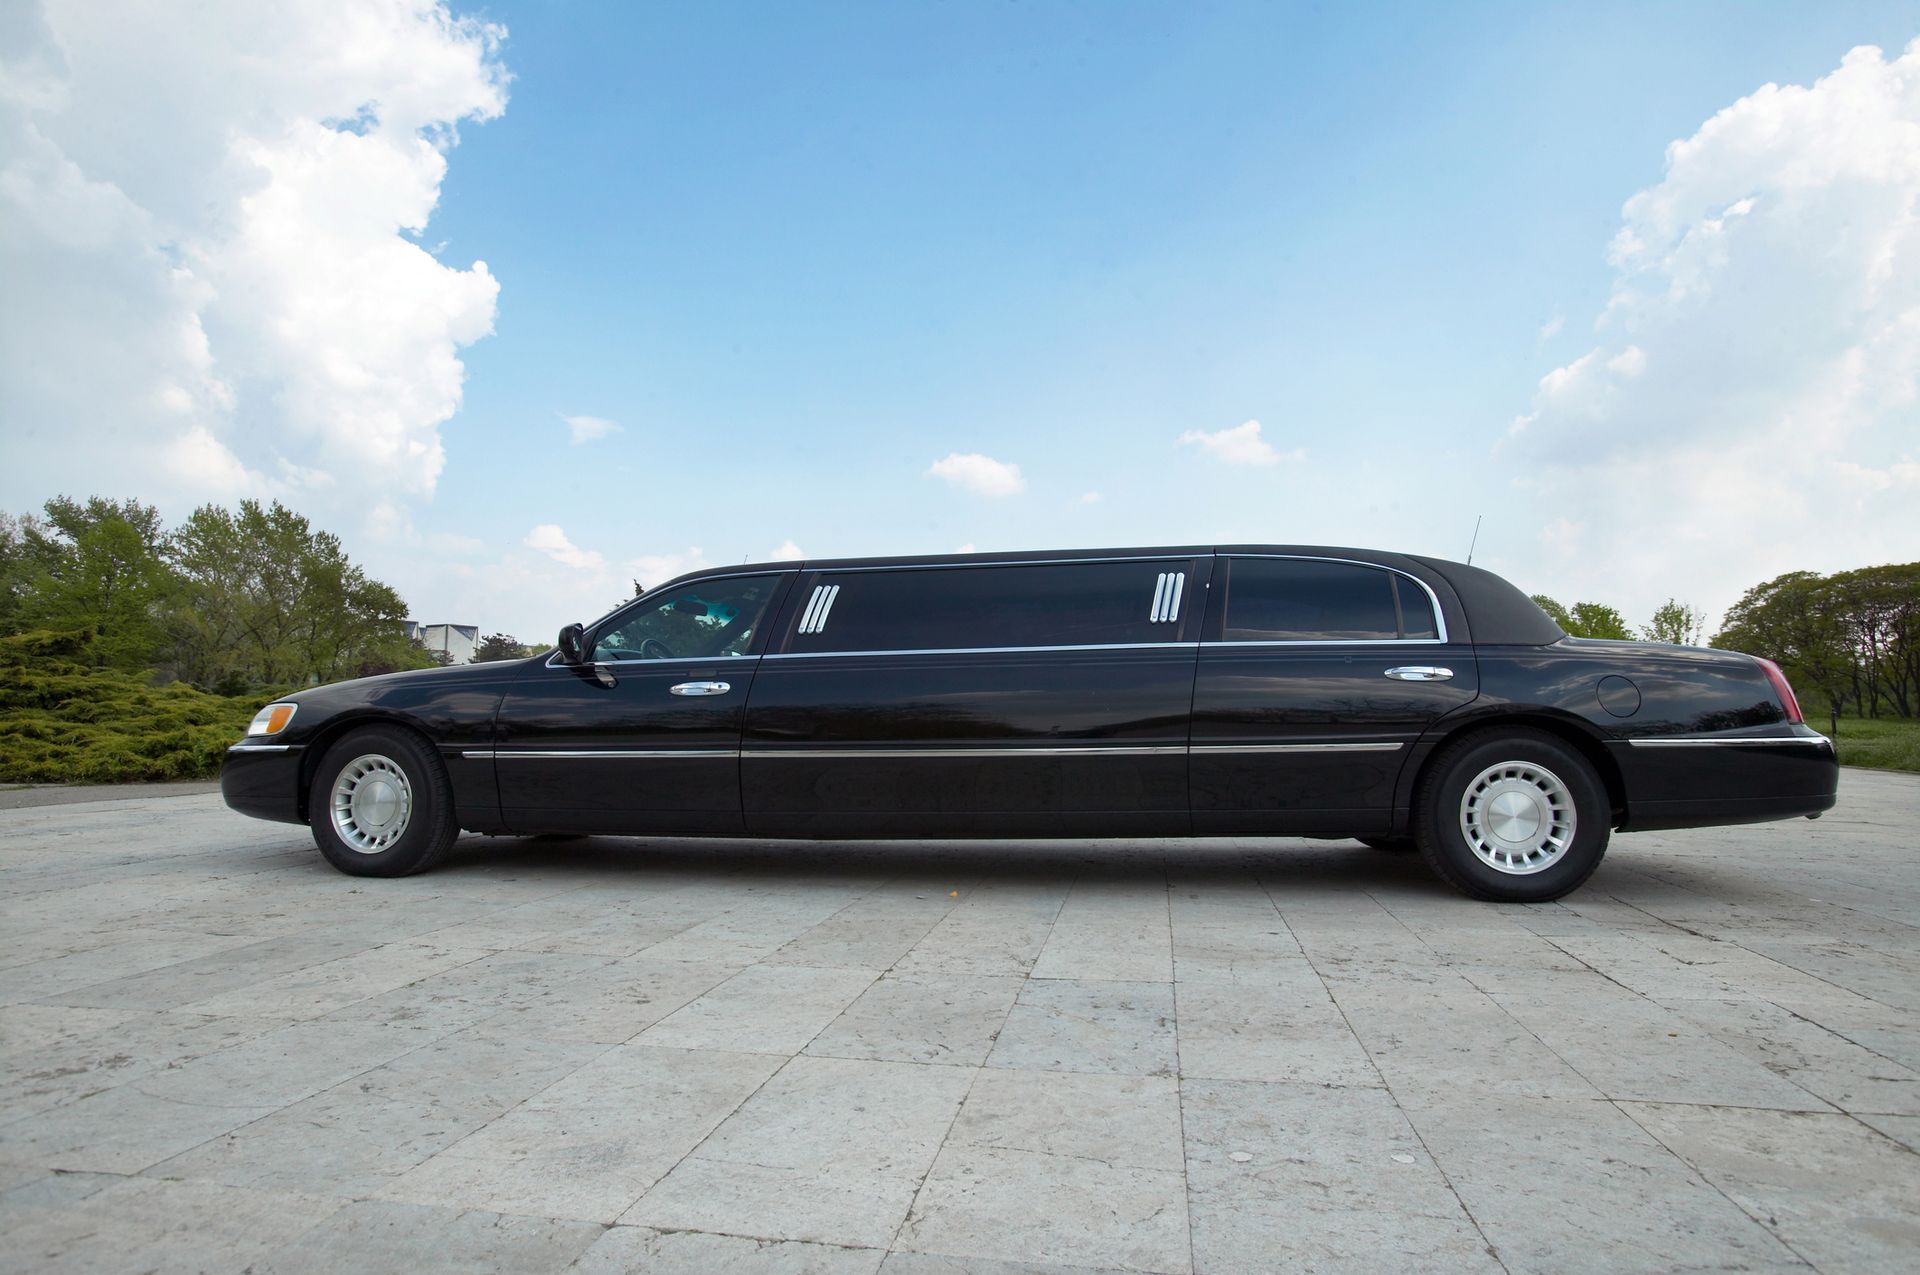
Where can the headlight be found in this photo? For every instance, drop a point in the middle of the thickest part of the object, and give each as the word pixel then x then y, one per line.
pixel 271 720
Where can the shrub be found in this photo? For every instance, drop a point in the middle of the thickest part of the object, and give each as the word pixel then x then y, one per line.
pixel 62 721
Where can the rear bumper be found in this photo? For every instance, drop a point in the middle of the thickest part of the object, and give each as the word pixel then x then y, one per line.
pixel 263 780
pixel 1698 782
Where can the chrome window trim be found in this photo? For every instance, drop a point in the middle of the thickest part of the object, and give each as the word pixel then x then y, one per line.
pixel 1439 612
pixel 987 566
pixel 1698 742
pixel 554 661
pixel 981 650
pixel 1331 642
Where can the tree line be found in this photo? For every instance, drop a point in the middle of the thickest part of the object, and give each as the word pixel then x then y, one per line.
pixel 1852 638
pixel 226 601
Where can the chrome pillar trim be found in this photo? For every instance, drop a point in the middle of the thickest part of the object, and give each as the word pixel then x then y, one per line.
pixel 1159 595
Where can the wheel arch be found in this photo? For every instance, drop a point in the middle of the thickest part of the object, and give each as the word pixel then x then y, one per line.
pixel 339 728
pixel 1576 734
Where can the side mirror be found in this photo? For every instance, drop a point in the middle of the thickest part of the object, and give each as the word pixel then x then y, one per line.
pixel 572 644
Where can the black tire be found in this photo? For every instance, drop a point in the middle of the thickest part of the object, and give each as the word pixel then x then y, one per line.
pixel 1438 814
pixel 1392 845
pixel 429 827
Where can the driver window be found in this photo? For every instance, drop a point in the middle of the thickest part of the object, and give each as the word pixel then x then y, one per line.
pixel 706 619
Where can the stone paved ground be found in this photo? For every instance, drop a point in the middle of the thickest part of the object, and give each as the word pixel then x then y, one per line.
pixel 610 1056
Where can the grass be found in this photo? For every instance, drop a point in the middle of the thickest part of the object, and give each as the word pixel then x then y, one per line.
pixel 1884 743
pixel 63 722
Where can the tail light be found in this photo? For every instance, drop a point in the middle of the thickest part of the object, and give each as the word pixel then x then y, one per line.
pixel 1787 699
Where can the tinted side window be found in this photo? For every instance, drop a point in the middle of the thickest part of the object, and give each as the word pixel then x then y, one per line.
pixel 704 620
pixel 1058 604
pixel 1416 609
pixel 1293 600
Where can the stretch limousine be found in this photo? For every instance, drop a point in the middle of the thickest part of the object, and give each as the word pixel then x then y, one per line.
pixel 1240 691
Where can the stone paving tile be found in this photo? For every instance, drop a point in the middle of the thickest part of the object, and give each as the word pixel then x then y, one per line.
pixel 625 1249
pixel 1837 1194
pixel 383 1235
pixel 136 1224
pixel 1068 1025
pixel 311 992
pixel 1568 1185
pixel 773 1009
pixel 1481 1048
pixel 586 1147
pixel 1293 1031
pixel 1080 1169
pixel 1902 1129
pixel 831 1151
pixel 611 1003
pixel 1109 932
pixel 216 1053
pixel 1629 1047
pixel 928 1018
pixel 56 1055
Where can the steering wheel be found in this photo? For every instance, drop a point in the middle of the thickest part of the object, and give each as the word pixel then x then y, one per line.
pixel 655 649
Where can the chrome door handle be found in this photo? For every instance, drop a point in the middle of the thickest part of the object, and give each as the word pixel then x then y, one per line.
pixel 700 688
pixel 1419 673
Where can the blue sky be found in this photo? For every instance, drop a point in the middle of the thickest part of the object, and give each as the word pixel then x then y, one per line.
pixel 798 254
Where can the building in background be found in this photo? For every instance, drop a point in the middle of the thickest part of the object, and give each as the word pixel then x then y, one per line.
pixel 455 641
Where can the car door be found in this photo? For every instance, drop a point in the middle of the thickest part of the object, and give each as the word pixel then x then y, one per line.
pixel 972 700
pixel 644 738
pixel 1316 676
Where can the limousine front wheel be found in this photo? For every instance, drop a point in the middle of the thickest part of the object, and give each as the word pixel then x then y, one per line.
pixel 380 805
pixel 1517 816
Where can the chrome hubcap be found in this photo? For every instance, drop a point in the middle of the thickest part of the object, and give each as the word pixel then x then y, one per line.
pixel 372 803
pixel 1518 817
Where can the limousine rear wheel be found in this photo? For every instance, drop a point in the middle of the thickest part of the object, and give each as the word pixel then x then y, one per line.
pixel 1516 816
pixel 380 805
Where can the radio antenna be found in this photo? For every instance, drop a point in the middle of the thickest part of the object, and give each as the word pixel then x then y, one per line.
pixel 1476 538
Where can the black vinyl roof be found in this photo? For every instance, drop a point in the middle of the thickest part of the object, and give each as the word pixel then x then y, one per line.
pixel 1497 613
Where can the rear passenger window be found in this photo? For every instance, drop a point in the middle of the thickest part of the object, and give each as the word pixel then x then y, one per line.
pixel 1302 600
pixel 1057 604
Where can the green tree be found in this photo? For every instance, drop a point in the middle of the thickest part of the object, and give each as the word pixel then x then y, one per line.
pixel 1676 622
pixel 500 646
pixel 1794 620
pixel 269 600
pixel 99 568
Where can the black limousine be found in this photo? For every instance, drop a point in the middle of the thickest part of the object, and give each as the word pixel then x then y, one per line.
pixel 1252 690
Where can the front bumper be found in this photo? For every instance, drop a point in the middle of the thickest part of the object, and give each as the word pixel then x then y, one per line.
pixel 263 780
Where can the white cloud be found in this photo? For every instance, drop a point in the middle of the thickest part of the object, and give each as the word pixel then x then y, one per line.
pixel 584 429
pixel 207 221
pixel 1090 498
pixel 1241 445
pixel 787 552
pixel 1551 328
pixel 657 568
pixel 1749 408
pixel 982 475
pixel 551 540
